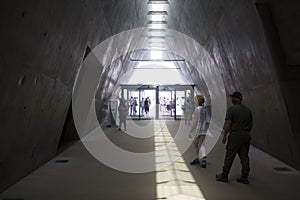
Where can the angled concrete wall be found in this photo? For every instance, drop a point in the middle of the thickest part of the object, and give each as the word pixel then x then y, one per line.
pixel 42 48
pixel 235 35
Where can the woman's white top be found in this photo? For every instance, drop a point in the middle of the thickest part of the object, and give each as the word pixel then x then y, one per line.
pixel 203 120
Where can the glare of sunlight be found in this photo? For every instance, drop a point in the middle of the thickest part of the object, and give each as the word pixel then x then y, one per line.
pixel 157 26
pixel 156 43
pixel 158 18
pixel 156 33
pixel 174 181
pixel 156 46
pixel 158 7
pixel 156 55
pixel 155 72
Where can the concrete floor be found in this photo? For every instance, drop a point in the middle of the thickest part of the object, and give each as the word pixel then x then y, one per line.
pixel 85 178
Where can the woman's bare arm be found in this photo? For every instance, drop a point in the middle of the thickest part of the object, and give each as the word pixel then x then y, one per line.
pixel 195 121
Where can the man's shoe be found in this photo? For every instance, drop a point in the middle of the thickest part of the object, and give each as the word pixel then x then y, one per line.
pixel 221 177
pixel 243 180
pixel 195 162
pixel 203 164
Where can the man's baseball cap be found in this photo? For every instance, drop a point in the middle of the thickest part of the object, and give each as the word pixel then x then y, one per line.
pixel 237 95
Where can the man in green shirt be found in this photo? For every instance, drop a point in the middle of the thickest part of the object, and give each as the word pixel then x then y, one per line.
pixel 238 124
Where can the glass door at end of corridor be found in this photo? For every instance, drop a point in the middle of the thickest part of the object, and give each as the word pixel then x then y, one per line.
pixel 184 102
pixel 147 101
pixel 166 104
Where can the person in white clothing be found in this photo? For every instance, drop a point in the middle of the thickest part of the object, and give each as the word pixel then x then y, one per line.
pixel 187 111
pixel 199 130
pixel 123 112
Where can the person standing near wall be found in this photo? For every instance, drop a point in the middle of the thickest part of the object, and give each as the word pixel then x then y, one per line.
pixel 238 124
pixel 123 112
pixel 187 111
pixel 199 130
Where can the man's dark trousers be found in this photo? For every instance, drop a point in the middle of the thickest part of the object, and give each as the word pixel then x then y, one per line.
pixel 238 143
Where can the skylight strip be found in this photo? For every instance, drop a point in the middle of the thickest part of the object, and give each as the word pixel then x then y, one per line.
pixel 157 13
pixel 158 7
pixel 157 22
pixel 157 26
pixel 157 17
pixel 158 2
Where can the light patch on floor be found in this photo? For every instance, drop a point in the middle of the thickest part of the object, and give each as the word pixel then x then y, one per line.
pixel 174 181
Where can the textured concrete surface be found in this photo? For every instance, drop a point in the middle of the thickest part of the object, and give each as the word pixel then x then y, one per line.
pixel 234 34
pixel 43 45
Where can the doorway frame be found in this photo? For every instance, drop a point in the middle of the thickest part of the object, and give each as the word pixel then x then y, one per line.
pixel 172 88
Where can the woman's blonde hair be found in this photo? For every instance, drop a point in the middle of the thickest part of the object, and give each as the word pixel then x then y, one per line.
pixel 200 100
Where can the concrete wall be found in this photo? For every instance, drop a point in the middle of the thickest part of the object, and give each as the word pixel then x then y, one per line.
pixel 234 34
pixel 43 45
pixel 279 20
